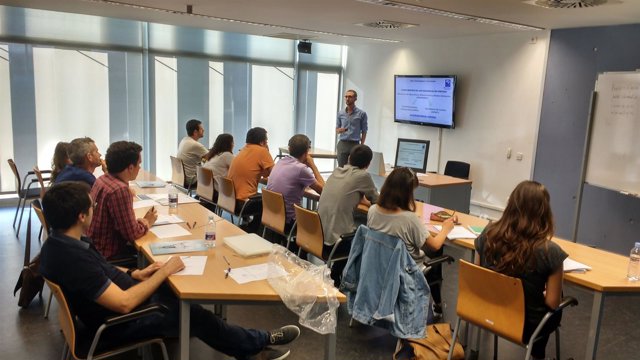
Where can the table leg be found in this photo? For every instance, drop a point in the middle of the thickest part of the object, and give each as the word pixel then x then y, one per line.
pixel 330 347
pixel 185 311
pixel 594 325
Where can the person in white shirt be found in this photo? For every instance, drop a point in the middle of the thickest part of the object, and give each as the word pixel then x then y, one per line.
pixel 191 152
pixel 220 156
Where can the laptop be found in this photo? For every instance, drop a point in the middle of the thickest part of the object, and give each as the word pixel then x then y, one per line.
pixel 248 245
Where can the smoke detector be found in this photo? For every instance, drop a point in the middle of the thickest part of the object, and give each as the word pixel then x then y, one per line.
pixel 566 4
pixel 388 25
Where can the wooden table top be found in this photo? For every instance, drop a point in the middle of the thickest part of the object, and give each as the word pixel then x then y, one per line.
pixel 212 285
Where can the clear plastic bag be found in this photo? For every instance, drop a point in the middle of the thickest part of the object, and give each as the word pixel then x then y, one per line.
pixel 306 289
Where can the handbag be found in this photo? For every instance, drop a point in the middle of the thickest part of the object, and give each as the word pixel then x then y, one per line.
pixel 435 346
pixel 30 281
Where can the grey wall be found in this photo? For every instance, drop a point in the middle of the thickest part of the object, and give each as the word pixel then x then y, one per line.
pixel 608 219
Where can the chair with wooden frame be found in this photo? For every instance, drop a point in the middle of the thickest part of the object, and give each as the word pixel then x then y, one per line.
pixel 36 205
pixel 177 175
pixel 495 302
pixel 310 237
pixel 76 348
pixel 227 198
pixel 205 190
pixel 274 215
pixel 26 190
pixel 41 179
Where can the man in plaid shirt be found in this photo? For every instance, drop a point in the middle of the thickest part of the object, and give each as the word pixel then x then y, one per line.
pixel 114 226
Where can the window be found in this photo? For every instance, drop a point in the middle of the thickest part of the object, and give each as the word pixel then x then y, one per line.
pixel 166 110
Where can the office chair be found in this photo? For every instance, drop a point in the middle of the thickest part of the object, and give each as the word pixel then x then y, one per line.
pixel 79 344
pixel 24 190
pixel 495 302
pixel 274 215
pixel 177 175
pixel 457 169
pixel 205 189
pixel 227 199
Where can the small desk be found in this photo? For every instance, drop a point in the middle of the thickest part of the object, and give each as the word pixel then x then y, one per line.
pixel 441 190
pixel 212 287
pixel 314 152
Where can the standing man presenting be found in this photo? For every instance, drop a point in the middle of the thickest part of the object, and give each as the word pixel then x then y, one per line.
pixel 190 151
pixel 351 127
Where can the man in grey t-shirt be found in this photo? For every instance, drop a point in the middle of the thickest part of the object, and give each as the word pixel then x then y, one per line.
pixel 344 190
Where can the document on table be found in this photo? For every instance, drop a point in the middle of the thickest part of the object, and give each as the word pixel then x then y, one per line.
pixel 243 275
pixel 167 231
pixel 163 199
pixel 193 265
pixel 173 247
pixel 164 219
pixel 144 203
pixel 571 265
pixel 458 232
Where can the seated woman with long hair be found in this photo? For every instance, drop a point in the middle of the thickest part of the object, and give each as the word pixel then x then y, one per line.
pixel 60 159
pixel 394 214
pixel 220 156
pixel 519 245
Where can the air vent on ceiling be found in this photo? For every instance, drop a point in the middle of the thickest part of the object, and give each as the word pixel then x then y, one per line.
pixel 566 4
pixel 291 36
pixel 387 25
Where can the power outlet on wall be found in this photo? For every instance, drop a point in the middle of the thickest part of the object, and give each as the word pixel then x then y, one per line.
pixel 519 156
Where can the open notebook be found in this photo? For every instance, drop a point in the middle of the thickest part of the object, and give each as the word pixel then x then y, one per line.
pixel 248 245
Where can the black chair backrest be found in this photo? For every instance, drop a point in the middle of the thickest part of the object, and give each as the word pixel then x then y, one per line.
pixel 457 169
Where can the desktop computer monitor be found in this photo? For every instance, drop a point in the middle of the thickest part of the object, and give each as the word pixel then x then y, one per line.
pixel 412 154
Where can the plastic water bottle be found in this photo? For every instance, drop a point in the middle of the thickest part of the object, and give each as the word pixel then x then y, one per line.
pixel 210 233
pixel 173 197
pixel 633 274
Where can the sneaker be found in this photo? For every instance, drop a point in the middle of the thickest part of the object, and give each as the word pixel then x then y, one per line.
pixel 272 354
pixel 284 335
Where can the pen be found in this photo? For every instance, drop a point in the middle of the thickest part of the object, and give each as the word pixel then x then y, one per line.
pixel 189 226
pixel 226 273
pixel 194 225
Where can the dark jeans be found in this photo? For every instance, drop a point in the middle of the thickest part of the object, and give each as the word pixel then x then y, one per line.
pixel 253 207
pixel 343 149
pixel 538 349
pixel 229 339
pixel 434 276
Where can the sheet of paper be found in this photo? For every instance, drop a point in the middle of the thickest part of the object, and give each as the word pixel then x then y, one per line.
pixel 427 209
pixel 571 265
pixel 193 265
pixel 251 273
pixel 144 203
pixel 163 199
pixel 458 232
pixel 164 219
pixel 168 231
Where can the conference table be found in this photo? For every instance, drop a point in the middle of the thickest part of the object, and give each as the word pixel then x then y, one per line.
pixel 607 276
pixel 213 287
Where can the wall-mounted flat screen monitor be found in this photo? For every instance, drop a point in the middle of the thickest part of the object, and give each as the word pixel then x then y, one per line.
pixel 425 100
pixel 412 154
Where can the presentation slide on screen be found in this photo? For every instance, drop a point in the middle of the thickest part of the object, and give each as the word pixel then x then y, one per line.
pixel 411 155
pixel 424 99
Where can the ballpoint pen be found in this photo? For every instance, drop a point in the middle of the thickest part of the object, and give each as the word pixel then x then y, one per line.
pixel 226 273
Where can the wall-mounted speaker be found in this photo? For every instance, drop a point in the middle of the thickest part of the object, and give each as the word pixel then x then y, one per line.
pixel 304 47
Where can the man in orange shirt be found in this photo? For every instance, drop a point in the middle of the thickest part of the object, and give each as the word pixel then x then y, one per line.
pixel 252 163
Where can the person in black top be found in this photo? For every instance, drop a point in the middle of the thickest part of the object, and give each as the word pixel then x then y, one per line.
pixel 97 290
pixel 519 245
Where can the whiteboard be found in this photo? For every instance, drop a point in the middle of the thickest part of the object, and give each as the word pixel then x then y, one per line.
pixel 614 151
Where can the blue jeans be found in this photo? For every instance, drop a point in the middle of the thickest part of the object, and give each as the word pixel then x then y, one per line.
pixel 229 339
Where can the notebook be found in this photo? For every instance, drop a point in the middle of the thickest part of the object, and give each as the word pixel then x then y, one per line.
pixel 248 245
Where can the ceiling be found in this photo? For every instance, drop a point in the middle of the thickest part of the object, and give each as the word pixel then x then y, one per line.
pixel 334 21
